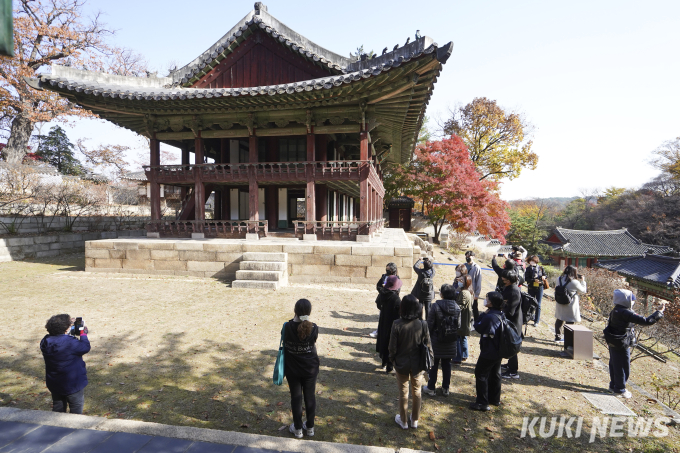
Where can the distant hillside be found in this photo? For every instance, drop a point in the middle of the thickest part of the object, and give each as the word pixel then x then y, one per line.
pixel 559 202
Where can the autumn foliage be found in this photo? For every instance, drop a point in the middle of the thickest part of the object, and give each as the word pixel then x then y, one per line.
pixel 442 178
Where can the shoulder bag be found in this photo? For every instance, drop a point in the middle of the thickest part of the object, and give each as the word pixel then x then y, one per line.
pixel 279 370
pixel 426 358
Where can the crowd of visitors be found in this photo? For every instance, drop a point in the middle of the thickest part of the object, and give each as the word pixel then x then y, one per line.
pixel 416 336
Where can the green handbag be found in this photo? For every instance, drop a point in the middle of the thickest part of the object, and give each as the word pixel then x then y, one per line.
pixel 279 370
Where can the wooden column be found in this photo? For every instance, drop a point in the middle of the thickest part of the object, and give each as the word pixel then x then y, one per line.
pixel 322 148
pixel 253 187
pixel 155 188
pixel 199 188
pixel 321 193
pixel 310 199
pixel 364 189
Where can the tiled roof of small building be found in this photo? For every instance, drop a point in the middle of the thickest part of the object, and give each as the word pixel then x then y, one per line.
pixel 662 270
pixel 135 176
pixel 401 201
pixel 603 243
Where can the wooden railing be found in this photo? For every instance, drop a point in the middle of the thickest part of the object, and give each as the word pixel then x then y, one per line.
pixel 210 228
pixel 342 228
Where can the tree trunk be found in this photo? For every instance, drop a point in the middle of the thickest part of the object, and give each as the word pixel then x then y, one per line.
pixel 17 145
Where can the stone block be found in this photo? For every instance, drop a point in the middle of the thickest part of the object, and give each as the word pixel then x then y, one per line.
pixel 368 250
pixel 197 235
pixel 318 259
pixel 170 265
pixel 264 247
pixel 362 281
pixel 381 261
pixel 188 245
pixel 251 284
pixel 204 266
pixel 156 245
pixel 163 255
pixel 138 254
pixel 12 242
pixel 108 264
pixel 89 262
pixel 262 256
pixel 153 235
pixel 348 271
pixel 311 269
pixel 403 251
pixel 252 237
pixel 117 254
pixel 45 239
pixel 55 246
pixel 352 260
pixel 376 272
pixel 228 247
pixel 272 276
pixel 262 266
pixel 192 255
pixel 125 245
pixel 229 257
pixel 308 237
pixel 416 250
pixel 138 264
pixel 363 238
pixel 333 250
pixel 298 249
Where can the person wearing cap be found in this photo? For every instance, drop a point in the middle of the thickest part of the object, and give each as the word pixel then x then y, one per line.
pixel 620 336
pixel 475 273
pixel 388 303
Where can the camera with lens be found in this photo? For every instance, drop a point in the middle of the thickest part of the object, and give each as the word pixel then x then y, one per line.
pixel 77 328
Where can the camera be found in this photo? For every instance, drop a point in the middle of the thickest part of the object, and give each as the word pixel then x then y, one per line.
pixel 580 276
pixel 77 327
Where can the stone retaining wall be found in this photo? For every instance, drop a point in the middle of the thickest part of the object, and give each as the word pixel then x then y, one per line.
pixel 20 248
pixel 319 263
pixel 38 225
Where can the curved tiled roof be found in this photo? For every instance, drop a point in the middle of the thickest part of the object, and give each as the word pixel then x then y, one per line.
pixel 135 176
pixel 661 270
pixel 603 243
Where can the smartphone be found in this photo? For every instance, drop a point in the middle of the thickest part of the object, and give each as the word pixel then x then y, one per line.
pixel 78 326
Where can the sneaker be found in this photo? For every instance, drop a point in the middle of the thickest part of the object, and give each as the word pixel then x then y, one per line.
pixel 464 359
pixel 479 407
pixel 445 392
pixel 373 334
pixel 310 431
pixel 626 394
pixel 426 390
pixel 414 424
pixel 536 324
pixel 559 339
pixel 397 419
pixel 509 375
pixel 504 367
pixel 295 432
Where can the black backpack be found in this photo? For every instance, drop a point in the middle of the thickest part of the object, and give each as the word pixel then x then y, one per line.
pixel 447 332
pixel 426 285
pixel 511 339
pixel 529 307
pixel 562 296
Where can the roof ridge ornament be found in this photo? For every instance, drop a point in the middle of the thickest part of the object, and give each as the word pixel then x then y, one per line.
pixel 259 6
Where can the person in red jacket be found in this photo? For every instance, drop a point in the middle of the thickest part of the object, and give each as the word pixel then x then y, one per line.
pixel 65 373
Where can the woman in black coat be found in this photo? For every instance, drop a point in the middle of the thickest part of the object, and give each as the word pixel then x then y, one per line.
pixel 512 308
pixel 388 302
pixel 427 271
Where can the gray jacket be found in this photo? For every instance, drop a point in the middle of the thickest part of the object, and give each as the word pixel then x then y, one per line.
pixel 475 273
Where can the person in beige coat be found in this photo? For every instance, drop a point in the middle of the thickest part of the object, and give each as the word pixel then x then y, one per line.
pixel 569 313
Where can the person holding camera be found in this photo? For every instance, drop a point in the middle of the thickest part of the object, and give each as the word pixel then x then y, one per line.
pixel 620 336
pixel 423 290
pixel 507 266
pixel 488 368
pixel 63 349
pixel 512 308
pixel 535 279
pixel 475 273
pixel 570 313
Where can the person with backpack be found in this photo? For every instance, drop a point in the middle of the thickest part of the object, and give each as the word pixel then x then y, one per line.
pixel 423 290
pixel 301 364
pixel 388 302
pixel 535 278
pixel 409 336
pixel 620 336
pixel 444 323
pixel 464 301
pixel 512 308
pixel 475 272
pixel 488 368
pixel 390 269
pixel 567 309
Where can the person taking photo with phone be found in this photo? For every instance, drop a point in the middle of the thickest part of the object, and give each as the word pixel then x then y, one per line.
pixel 63 349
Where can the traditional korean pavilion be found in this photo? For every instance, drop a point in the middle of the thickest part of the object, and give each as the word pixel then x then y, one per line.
pixel 287 135
pixel 653 275
pixel 583 248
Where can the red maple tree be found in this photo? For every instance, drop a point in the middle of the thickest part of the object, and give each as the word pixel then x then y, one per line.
pixel 442 176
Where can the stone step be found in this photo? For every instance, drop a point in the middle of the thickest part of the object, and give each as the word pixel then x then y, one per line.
pixel 263 256
pixel 272 276
pixel 254 284
pixel 263 266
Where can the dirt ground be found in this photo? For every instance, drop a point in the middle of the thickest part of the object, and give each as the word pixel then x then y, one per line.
pixel 195 352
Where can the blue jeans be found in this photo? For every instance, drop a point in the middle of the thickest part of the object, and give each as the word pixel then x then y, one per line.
pixel 462 349
pixel 446 374
pixel 538 294
pixel 75 402
pixel 619 368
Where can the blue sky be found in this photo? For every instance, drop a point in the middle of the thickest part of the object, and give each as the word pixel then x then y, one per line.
pixel 597 79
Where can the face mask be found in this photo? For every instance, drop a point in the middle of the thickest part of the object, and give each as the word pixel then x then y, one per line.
pixel 533 263
pixel 468 259
pixel 487 303
pixel 458 274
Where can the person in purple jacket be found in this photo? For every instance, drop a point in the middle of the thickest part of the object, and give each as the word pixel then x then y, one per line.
pixel 65 373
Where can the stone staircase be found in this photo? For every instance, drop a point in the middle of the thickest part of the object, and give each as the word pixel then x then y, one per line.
pixel 260 270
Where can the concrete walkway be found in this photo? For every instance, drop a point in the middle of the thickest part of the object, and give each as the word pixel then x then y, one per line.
pixel 29 431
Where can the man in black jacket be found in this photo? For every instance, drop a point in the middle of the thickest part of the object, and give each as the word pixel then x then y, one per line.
pixel 620 335
pixel 512 308
pixel 488 368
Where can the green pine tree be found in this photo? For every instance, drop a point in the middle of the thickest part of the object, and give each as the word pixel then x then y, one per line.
pixel 56 149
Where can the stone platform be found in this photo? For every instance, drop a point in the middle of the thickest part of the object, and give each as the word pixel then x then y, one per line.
pixel 305 261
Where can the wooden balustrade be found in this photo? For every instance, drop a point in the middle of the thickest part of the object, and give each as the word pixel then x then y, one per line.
pixel 210 228
pixel 330 229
